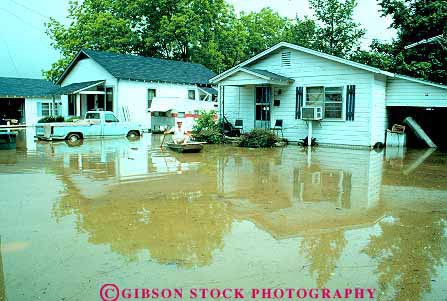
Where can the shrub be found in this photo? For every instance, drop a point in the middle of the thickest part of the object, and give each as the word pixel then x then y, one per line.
pixel 258 138
pixel 206 128
pixel 50 119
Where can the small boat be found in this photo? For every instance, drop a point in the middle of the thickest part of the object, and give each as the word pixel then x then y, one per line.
pixel 190 147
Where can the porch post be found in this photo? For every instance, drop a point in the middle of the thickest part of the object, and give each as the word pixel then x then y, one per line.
pixel 78 105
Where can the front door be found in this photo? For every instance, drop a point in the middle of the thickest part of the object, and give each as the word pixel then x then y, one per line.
pixel 263 106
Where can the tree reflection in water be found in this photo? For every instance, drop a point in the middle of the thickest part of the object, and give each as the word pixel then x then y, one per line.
pixel 408 252
pixel 182 228
pixel 322 251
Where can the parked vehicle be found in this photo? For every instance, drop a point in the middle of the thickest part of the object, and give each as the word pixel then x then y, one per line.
pixel 95 124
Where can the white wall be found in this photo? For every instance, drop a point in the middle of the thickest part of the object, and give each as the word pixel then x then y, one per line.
pixel 309 70
pixel 379 118
pixel 402 92
pixel 87 70
pixel 239 104
pixel 31 114
pixel 133 96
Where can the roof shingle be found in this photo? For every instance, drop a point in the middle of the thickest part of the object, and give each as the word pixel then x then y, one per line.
pixel 125 66
pixel 25 87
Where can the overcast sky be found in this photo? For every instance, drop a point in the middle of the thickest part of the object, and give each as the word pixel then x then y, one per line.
pixel 25 49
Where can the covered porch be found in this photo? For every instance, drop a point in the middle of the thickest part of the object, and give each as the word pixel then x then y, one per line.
pixel 88 96
pixel 252 98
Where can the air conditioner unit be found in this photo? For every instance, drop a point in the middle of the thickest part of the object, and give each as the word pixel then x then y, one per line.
pixel 311 113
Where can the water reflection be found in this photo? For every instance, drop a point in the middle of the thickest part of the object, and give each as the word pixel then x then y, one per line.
pixel 187 210
pixel 408 252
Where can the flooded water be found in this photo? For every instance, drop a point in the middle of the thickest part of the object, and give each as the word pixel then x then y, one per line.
pixel 73 218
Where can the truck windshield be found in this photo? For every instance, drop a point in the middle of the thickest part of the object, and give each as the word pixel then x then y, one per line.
pixel 92 116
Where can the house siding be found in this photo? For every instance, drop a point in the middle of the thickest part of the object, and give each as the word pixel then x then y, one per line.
pixel 379 118
pixel 31 112
pixel 132 96
pixel 402 92
pixel 309 70
pixel 87 70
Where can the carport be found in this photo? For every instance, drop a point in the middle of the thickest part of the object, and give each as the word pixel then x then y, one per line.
pixel 425 102
pixel 12 110
pixel 21 98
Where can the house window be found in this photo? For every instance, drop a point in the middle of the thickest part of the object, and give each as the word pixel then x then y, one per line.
pixel 109 99
pixel 151 93
pixel 181 114
pixel 330 98
pixel 192 94
pixel 45 109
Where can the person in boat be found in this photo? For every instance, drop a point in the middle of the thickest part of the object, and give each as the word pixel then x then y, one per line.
pixel 180 135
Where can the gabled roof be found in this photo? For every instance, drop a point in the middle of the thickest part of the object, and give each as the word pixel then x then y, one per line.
pixel 230 71
pixel 25 87
pixel 140 68
pixel 77 87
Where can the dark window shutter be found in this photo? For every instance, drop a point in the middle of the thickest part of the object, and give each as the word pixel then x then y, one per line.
pixel 350 102
pixel 299 102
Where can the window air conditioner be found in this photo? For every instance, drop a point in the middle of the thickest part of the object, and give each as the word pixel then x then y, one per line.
pixel 311 113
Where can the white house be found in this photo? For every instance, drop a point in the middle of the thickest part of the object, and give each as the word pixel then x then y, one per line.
pixel 27 100
pixel 356 99
pixel 127 84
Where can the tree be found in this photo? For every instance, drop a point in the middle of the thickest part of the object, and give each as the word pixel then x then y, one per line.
pixel 263 30
pixel 337 33
pixel 416 20
pixel 180 30
pixel 301 32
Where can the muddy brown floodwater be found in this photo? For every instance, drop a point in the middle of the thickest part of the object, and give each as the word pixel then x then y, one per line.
pixel 73 218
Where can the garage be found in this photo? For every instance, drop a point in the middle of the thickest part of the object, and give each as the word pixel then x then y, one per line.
pixel 12 110
pixel 432 120
pixel 21 98
pixel 425 102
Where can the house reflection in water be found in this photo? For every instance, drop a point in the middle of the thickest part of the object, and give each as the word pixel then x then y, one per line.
pixel 182 209
pixel 339 189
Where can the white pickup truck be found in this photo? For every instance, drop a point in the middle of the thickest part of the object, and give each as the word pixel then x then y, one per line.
pixel 95 124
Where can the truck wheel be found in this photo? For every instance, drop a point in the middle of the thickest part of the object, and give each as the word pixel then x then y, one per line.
pixel 73 137
pixel 133 134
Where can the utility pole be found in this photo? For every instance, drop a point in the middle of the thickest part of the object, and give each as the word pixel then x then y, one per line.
pixel 437 39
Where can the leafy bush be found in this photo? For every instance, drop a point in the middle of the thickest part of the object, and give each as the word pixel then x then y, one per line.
pixel 207 129
pixel 258 138
pixel 50 119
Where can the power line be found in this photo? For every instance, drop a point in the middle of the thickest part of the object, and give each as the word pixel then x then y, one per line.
pixel 29 9
pixel 10 56
pixel 21 19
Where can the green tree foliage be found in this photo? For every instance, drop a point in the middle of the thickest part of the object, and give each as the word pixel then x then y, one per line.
pixel 203 31
pixel 337 33
pixel 414 20
pixel 263 30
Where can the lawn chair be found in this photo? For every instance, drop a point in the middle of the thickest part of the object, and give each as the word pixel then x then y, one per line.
pixel 278 127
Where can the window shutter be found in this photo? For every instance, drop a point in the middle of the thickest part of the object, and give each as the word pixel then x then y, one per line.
pixel 39 109
pixel 299 102
pixel 350 102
